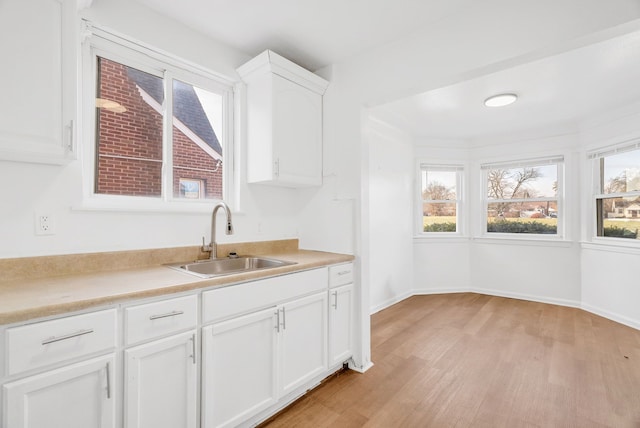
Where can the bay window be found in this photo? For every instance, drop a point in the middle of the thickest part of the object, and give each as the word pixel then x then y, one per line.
pixel 440 199
pixel 524 197
pixel 617 191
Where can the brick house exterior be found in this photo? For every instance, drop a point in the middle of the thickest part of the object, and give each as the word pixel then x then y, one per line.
pixel 129 153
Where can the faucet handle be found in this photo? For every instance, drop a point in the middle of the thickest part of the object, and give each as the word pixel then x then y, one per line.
pixel 206 248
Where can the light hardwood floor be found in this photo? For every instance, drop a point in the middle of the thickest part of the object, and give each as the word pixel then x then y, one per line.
pixel 470 360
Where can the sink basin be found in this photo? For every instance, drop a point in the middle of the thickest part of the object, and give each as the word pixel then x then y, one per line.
pixel 228 266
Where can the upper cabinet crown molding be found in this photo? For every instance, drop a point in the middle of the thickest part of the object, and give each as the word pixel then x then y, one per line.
pixel 84 4
pixel 269 61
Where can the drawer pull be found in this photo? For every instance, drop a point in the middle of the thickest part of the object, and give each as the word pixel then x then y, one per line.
pixel 67 336
pixel 167 315
pixel 344 272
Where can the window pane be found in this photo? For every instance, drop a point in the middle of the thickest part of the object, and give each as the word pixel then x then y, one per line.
pixel 523 183
pixel 197 136
pixel 523 217
pixel 129 131
pixel 622 172
pixel 439 185
pixel 619 217
pixel 439 217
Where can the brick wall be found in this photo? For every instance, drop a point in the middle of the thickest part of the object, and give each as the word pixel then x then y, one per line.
pixel 130 144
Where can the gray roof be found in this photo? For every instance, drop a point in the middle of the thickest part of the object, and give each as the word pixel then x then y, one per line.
pixel 186 105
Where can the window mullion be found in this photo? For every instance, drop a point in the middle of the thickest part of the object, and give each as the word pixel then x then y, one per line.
pixel 167 137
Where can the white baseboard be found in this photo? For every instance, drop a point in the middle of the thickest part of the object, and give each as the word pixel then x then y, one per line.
pixel 360 369
pixel 529 297
pixel 612 316
pixel 501 293
pixel 390 302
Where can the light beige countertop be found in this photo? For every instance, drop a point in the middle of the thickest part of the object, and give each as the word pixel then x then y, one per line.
pixel 22 299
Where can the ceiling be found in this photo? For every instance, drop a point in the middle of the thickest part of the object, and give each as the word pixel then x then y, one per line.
pixel 554 92
pixel 311 33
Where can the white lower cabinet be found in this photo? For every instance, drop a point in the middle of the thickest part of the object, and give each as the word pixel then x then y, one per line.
pixel 249 362
pixel 239 370
pixel 161 383
pixel 303 344
pixel 263 342
pixel 80 395
pixel 340 324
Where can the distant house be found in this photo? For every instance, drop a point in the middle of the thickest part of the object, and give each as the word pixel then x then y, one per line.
pixel 632 211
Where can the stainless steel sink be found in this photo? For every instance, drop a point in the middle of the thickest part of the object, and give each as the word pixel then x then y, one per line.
pixel 228 266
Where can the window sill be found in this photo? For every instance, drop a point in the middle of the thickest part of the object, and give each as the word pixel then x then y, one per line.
pixel 144 205
pixel 439 237
pixel 617 246
pixel 530 240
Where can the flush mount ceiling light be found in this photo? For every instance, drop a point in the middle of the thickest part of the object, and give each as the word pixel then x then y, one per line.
pixel 500 100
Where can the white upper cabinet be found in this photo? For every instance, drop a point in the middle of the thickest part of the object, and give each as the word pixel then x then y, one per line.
pixel 37 106
pixel 284 122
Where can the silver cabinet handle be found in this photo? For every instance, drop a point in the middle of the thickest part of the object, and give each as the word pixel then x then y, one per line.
pixel 277 327
pixel 167 315
pixel 108 371
pixel 193 347
pixel 284 320
pixel 70 147
pixel 67 336
pixel 344 272
pixel 335 300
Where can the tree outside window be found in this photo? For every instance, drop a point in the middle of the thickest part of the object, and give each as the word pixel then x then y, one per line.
pixel 440 193
pixel 523 198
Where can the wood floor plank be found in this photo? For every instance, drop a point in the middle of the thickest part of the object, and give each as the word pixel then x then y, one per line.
pixel 470 360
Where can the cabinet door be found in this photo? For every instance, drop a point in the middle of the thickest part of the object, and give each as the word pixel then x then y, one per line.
pixel 37 103
pixel 303 326
pixel 239 368
pixel 161 382
pixel 81 395
pixel 340 324
pixel 297 134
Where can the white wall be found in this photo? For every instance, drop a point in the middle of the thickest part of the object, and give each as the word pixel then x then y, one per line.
pixel 442 265
pixel 29 189
pixel 609 274
pixel 545 271
pixel 390 223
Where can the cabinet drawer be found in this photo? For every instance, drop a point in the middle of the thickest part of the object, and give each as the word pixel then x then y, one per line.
pixel 340 274
pixel 48 342
pixel 251 296
pixel 157 319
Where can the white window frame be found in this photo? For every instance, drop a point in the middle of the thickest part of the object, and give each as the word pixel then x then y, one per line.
pixel 559 161
pixel 101 42
pixel 460 170
pixel 595 157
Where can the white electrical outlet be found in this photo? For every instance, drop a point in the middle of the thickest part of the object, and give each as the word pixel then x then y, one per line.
pixel 45 224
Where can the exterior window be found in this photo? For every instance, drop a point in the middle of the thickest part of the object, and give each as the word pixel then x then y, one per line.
pixel 618 193
pixel 524 197
pixel 161 127
pixel 128 132
pixel 441 197
pixel 191 189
